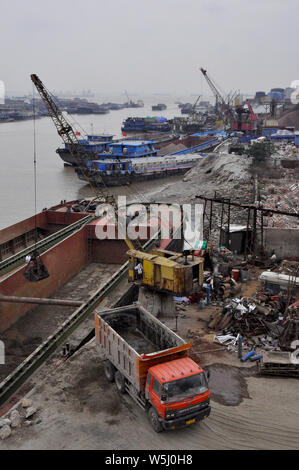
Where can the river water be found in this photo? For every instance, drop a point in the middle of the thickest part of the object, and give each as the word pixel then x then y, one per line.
pixel 55 181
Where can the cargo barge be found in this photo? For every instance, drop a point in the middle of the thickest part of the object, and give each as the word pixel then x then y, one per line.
pixel 121 170
pixel 146 124
pixel 102 143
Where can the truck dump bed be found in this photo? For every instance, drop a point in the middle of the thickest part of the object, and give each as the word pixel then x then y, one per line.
pixel 134 340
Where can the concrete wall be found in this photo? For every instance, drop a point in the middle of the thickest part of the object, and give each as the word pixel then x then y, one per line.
pixel 285 241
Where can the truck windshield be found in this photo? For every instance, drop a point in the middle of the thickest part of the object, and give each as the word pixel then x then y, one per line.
pixel 186 387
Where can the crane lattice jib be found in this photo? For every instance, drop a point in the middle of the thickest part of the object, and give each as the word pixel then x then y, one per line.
pixel 66 132
pixel 218 95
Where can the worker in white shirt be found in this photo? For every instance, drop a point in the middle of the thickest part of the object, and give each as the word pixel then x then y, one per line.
pixel 28 259
pixel 139 270
pixel 273 257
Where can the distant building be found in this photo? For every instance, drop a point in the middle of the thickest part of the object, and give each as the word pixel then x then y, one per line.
pixel 2 92
pixel 259 95
pixel 287 93
pixel 277 94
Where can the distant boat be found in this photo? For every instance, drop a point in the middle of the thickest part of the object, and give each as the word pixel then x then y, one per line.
pixel 159 107
pixel 146 124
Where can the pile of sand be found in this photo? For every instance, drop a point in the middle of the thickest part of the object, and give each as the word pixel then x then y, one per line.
pixel 290 119
pixel 215 172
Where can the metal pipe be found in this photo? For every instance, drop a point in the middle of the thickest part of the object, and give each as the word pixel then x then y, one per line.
pixel 36 300
pixel 247 356
pixel 240 346
pixel 248 206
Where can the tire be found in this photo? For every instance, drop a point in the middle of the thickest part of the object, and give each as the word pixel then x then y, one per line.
pixel 109 371
pixel 154 420
pixel 120 382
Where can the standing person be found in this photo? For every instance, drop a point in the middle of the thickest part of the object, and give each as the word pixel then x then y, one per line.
pixel 208 291
pixel 139 269
pixel 28 259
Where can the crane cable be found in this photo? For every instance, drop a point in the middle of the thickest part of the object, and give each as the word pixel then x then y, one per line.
pixel 34 166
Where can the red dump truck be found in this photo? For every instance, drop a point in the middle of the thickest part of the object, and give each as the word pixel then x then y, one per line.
pixel 150 362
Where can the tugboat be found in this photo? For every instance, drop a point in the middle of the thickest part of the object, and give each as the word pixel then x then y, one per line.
pixel 92 144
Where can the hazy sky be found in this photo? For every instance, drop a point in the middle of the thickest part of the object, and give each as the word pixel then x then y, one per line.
pixel 149 46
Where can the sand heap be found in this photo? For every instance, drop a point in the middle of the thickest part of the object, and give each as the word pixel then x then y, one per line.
pixel 215 172
pixel 290 119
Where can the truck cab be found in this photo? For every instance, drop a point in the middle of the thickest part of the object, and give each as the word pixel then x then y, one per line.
pixel 178 393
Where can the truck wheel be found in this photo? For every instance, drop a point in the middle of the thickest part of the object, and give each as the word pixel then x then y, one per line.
pixel 154 420
pixel 109 371
pixel 120 382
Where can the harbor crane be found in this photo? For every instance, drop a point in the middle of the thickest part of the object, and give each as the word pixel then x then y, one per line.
pixel 226 111
pixel 69 136
pixel 241 118
pixel 183 269
pixel 246 118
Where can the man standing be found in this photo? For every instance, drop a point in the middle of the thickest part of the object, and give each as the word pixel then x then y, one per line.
pixel 139 270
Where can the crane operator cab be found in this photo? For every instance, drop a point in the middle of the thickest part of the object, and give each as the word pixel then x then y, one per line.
pixel 166 271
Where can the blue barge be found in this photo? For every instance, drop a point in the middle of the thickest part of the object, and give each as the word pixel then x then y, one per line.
pixel 91 145
pixel 146 124
pixel 139 163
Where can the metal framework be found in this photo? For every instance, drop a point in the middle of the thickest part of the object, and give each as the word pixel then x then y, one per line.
pixel 255 219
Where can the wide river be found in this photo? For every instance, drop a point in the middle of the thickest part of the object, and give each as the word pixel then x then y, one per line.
pixel 55 181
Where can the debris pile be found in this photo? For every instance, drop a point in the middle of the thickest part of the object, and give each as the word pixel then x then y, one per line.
pixel 265 321
pixel 17 418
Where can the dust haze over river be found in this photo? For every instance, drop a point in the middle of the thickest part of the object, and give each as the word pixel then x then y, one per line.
pixel 55 181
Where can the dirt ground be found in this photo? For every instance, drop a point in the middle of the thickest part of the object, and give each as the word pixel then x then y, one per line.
pixel 79 409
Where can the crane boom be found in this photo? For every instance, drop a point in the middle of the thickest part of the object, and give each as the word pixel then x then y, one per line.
pixel 68 135
pixel 219 98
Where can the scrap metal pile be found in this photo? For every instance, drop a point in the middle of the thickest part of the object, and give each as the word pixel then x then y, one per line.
pixel 266 320
pixel 260 321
